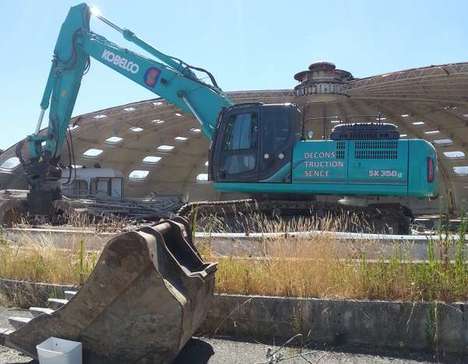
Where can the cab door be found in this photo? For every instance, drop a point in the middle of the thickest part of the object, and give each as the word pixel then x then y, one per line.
pixel 236 146
pixel 279 132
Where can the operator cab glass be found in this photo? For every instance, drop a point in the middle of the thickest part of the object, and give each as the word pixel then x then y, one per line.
pixel 240 143
pixel 254 141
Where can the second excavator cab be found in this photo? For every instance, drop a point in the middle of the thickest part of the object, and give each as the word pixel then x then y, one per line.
pixel 254 142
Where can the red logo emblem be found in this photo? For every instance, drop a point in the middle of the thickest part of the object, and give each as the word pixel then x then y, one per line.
pixel 152 76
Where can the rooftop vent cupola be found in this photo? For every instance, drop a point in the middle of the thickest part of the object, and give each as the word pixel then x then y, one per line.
pixel 321 78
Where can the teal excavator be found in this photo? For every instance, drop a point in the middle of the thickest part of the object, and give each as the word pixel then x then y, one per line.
pixel 256 148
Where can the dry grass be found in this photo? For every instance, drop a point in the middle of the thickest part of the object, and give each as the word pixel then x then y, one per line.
pixel 82 220
pixel 316 267
pixel 45 263
pixel 252 221
pixel 104 223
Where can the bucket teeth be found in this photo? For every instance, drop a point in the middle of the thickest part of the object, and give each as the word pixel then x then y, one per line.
pixel 70 294
pixel 4 335
pixel 36 311
pixel 56 303
pixel 148 294
pixel 18 322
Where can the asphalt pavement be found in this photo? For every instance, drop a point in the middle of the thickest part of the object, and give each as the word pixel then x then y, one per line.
pixel 226 351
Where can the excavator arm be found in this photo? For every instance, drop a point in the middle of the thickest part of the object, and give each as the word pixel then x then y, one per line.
pixel 151 290
pixel 166 76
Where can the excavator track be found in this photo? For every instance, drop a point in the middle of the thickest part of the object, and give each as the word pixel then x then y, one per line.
pixel 149 293
pixel 251 215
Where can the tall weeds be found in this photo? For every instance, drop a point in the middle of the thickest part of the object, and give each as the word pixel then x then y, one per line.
pixel 44 263
pixel 81 220
pixel 314 267
pixel 318 267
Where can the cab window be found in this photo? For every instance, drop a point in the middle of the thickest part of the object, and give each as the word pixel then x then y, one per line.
pixel 241 132
pixel 240 144
pixel 277 129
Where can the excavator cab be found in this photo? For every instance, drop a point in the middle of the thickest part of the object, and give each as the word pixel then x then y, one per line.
pixel 254 141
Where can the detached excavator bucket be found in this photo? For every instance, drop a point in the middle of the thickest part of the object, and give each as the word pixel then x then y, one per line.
pixel 147 296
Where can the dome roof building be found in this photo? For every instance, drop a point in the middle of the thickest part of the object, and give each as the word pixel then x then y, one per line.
pixel 160 150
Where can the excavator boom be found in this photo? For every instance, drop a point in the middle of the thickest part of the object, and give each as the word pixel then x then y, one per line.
pixel 166 76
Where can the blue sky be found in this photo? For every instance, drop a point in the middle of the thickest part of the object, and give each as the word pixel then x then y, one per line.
pixel 246 44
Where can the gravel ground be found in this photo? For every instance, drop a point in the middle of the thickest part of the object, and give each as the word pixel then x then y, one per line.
pixel 214 351
pixel 9 356
pixel 220 351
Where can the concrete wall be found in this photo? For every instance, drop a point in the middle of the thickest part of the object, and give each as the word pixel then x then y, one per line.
pixel 377 325
pixel 372 324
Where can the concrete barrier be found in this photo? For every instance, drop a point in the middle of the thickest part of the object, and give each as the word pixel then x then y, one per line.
pixel 59 238
pixel 25 294
pixel 375 246
pixel 382 325
pixel 378 325
pixel 412 247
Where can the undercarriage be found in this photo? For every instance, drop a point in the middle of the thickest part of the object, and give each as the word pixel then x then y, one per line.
pixel 237 216
pixel 250 215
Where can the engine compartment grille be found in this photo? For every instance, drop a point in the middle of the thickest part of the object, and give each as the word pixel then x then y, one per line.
pixel 376 149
